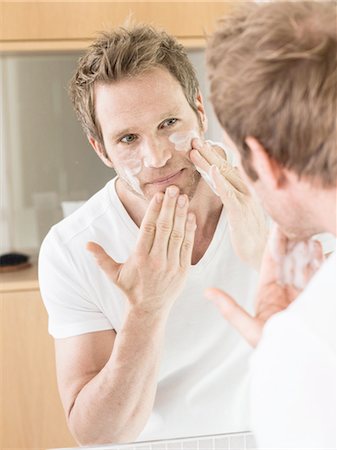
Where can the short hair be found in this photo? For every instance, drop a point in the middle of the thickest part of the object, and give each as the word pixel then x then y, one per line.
pixel 124 53
pixel 273 76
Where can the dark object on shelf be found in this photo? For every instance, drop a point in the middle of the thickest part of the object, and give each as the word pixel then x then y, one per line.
pixel 10 262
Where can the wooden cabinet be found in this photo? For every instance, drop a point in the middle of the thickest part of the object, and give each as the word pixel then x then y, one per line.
pixel 72 25
pixel 31 414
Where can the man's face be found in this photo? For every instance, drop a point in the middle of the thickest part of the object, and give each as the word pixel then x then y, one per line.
pixel 145 121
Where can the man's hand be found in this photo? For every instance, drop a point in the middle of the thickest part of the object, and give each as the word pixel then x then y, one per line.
pixel 247 221
pixel 284 264
pixel 155 273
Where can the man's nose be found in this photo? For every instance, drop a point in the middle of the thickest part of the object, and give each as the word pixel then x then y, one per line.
pixel 156 153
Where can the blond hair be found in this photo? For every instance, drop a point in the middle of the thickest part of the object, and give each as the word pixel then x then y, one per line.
pixel 127 52
pixel 273 76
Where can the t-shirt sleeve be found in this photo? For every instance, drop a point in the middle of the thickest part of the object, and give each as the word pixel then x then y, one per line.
pixel 70 304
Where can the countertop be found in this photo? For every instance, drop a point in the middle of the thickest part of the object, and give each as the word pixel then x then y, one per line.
pixel 20 280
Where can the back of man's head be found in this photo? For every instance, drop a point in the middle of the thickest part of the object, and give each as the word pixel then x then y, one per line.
pixel 273 72
pixel 127 52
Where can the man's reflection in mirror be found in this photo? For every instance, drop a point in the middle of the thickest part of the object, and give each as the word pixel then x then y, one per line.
pixel 140 353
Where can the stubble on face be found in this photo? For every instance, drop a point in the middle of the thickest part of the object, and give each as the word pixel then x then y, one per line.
pixel 189 188
pixel 140 105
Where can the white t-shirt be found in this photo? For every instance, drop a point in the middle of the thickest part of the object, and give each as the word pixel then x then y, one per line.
pixel 293 370
pixel 203 380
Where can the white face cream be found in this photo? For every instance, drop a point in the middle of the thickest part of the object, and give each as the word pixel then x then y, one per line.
pixel 132 168
pixel 182 143
pixel 182 139
pixel 135 160
pixel 133 181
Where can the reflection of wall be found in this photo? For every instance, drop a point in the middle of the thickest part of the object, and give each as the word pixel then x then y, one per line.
pixel 48 157
pixel 50 160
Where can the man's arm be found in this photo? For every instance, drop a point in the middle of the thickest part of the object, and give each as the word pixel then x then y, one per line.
pixel 108 381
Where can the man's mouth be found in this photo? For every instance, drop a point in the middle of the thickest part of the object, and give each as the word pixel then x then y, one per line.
pixel 171 178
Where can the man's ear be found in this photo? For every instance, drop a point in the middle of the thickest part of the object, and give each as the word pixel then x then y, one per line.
pixel 269 171
pixel 100 151
pixel 201 111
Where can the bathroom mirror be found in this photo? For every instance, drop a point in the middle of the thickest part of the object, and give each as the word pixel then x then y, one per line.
pixel 48 170
pixel 48 167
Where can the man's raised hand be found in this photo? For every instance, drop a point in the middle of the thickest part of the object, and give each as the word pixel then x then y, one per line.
pixel 248 223
pixel 155 274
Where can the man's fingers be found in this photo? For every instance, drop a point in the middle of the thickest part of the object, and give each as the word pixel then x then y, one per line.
pixel 215 155
pixel 210 151
pixel 148 226
pixel 178 230
pixel 201 163
pixel 249 327
pixel 106 263
pixel 188 241
pixel 209 160
pixel 223 186
pixel 164 223
pixel 231 175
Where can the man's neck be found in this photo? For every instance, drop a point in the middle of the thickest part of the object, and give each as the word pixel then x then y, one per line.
pixel 322 204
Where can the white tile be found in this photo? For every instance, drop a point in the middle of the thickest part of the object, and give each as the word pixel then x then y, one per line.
pixel 190 444
pixel 158 446
pixel 176 445
pixel 237 442
pixel 206 444
pixel 250 442
pixel 221 443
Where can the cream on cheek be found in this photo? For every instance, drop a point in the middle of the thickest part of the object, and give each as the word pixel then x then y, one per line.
pixel 182 139
pixel 182 142
pixel 131 166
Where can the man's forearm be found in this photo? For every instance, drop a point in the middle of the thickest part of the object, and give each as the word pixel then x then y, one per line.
pixel 115 405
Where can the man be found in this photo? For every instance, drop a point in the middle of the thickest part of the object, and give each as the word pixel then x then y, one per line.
pixel 273 78
pixel 140 354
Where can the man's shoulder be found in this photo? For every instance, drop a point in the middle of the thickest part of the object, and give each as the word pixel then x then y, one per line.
pixel 96 211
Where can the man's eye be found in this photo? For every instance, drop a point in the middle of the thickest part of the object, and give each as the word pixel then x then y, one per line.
pixel 129 138
pixel 168 122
